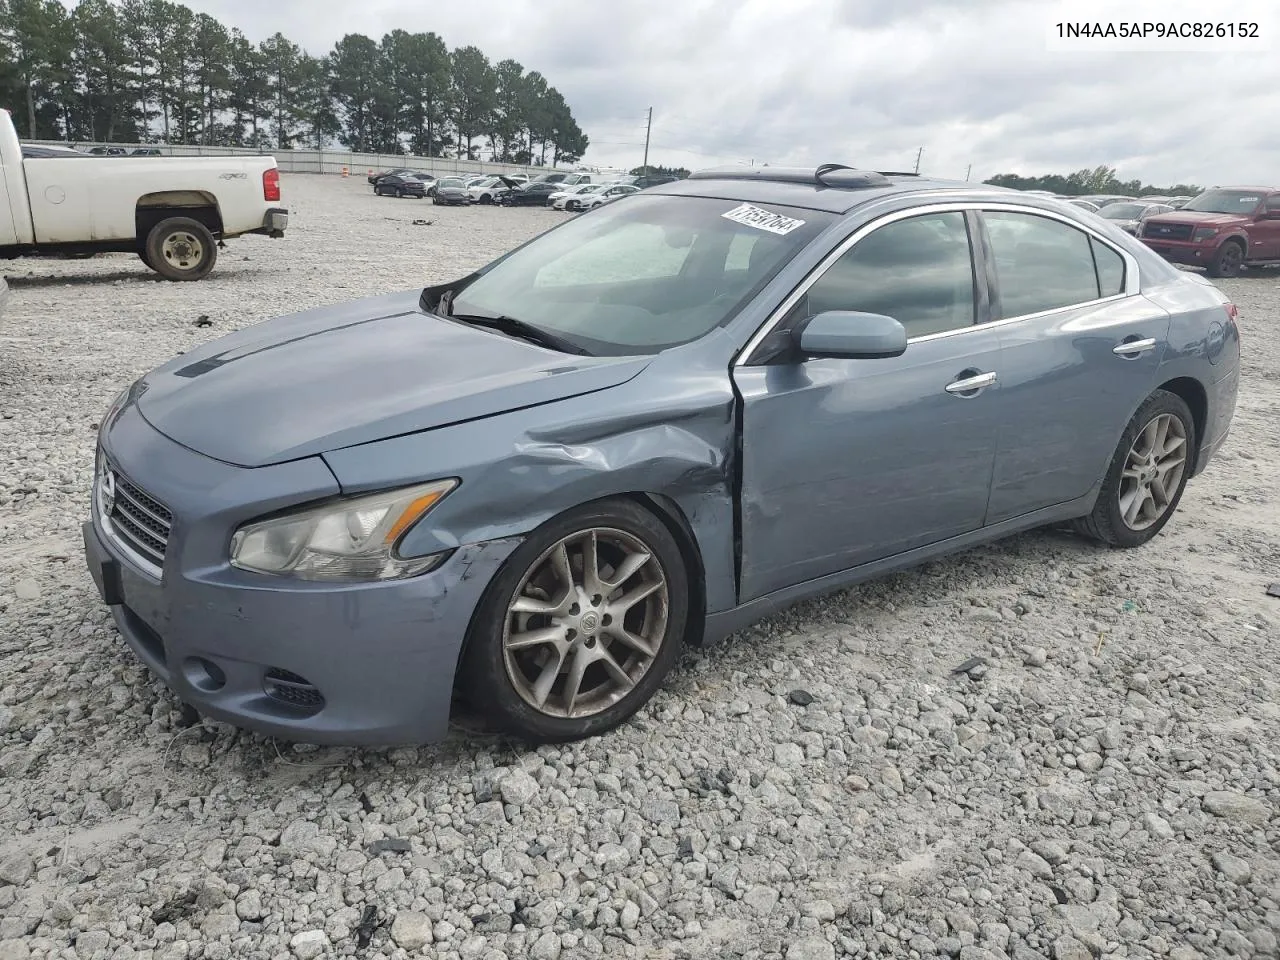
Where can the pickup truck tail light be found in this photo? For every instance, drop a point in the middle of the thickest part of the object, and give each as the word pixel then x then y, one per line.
pixel 271 184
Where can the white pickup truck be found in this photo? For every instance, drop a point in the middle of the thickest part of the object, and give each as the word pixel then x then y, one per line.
pixel 173 212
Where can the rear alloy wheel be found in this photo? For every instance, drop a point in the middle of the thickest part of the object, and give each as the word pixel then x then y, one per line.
pixel 581 626
pixel 181 249
pixel 1147 476
pixel 1229 260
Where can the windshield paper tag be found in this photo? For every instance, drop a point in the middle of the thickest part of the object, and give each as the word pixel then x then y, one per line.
pixel 750 216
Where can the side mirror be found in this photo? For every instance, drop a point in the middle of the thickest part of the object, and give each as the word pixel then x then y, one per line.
pixel 850 335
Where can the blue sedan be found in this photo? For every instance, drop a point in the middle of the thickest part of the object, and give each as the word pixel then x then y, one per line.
pixel 645 428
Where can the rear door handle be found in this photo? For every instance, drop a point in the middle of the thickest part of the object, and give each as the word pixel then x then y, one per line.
pixel 969 384
pixel 1131 348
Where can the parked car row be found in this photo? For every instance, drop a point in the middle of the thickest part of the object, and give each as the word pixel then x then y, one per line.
pixel 1224 229
pixel 560 191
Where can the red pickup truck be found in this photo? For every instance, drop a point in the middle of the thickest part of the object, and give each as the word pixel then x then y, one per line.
pixel 1223 230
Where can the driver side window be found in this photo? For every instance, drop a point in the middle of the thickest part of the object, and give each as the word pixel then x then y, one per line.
pixel 918 271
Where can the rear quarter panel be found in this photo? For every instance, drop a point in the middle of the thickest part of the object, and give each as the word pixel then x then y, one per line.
pixel 95 198
pixel 1203 347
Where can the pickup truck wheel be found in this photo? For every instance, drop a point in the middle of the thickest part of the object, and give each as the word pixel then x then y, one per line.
pixel 181 249
pixel 1228 261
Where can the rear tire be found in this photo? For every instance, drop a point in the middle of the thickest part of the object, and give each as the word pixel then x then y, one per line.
pixel 573 622
pixel 181 249
pixel 1147 475
pixel 1228 260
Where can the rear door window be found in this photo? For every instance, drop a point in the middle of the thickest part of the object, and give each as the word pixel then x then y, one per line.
pixel 1044 264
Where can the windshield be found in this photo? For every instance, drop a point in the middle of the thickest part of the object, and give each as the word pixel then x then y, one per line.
pixel 643 274
pixel 1242 202
pixel 450 182
pixel 1122 211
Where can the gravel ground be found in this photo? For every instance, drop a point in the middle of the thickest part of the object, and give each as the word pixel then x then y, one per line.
pixel 823 785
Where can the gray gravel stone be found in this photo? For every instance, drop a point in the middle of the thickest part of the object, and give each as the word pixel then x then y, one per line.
pixel 26 589
pixel 1069 948
pixel 411 930
pixel 518 788
pixel 1232 867
pixel 546 947
pixel 1236 806
pixel 309 944
pixel 1157 826
pixel 811 948
pixel 16 869
pixel 249 905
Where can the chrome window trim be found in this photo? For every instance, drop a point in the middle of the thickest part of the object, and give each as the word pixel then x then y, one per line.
pixel 1131 278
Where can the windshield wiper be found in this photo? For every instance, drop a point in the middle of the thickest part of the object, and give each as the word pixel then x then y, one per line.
pixel 522 329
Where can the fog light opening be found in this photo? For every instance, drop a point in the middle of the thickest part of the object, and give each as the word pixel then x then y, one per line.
pixel 203 674
pixel 285 686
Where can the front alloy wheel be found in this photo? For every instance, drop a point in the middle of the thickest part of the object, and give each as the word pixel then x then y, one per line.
pixel 581 626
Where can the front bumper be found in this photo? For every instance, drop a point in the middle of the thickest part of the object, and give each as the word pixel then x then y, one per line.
pixel 368 664
pixel 1182 251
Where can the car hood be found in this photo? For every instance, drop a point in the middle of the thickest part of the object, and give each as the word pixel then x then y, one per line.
pixel 339 376
pixel 1200 219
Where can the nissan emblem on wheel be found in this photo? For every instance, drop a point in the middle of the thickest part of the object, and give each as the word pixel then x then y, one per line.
pixel 646 428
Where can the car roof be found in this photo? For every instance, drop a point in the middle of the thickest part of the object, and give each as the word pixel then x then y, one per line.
pixel 838 191
pixel 1248 188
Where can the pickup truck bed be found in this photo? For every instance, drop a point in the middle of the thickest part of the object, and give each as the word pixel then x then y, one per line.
pixel 173 212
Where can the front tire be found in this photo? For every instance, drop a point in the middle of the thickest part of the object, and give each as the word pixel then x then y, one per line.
pixel 181 249
pixel 485 198
pixel 1228 261
pixel 1147 475
pixel 581 626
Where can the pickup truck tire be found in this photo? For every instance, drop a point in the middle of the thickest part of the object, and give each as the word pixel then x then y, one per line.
pixel 181 249
pixel 1228 260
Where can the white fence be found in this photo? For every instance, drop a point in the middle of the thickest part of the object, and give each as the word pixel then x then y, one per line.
pixel 330 161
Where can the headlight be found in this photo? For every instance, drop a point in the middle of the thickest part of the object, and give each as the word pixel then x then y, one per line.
pixel 348 540
pixel 1204 233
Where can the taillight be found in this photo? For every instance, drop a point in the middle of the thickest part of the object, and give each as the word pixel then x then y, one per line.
pixel 271 184
pixel 1233 314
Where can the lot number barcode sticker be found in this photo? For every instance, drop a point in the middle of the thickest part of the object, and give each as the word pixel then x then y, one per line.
pixel 750 216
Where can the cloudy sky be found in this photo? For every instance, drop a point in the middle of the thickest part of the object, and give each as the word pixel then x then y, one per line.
pixel 864 82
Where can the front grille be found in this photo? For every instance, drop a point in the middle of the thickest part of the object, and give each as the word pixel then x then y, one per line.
pixel 288 687
pixel 1168 231
pixel 140 522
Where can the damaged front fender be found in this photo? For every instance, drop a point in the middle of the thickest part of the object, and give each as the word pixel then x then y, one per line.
pixel 668 433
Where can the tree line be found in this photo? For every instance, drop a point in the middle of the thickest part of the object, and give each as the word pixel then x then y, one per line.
pixel 1097 180
pixel 140 70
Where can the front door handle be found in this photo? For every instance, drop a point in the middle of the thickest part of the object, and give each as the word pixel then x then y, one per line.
pixel 1132 348
pixel 969 384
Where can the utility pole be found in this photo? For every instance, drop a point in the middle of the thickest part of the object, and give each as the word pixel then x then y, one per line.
pixel 967 172
pixel 647 127
pixel 919 154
